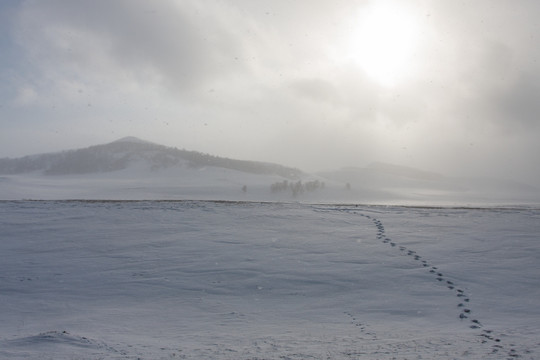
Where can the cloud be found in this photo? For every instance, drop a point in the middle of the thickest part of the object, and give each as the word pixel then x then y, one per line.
pixel 317 90
pixel 518 106
pixel 272 81
pixel 179 45
pixel 486 57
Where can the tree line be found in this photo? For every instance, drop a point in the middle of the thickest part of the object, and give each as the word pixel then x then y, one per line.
pixel 296 188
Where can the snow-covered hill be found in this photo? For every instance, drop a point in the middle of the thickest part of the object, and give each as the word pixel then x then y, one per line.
pixel 131 168
pixel 134 169
pixel 123 153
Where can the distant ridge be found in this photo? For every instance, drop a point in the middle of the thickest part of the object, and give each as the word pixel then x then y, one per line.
pixel 403 171
pixel 131 168
pixel 133 139
pixel 123 152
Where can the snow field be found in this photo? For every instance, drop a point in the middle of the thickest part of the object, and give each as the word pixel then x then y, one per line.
pixel 192 279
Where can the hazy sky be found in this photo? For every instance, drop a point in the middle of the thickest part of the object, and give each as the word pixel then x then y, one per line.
pixel 448 86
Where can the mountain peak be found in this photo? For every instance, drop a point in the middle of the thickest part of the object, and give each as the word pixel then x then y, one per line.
pixel 132 139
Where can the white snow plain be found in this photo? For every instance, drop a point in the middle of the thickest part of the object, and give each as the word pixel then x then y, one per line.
pixel 248 280
pixel 369 186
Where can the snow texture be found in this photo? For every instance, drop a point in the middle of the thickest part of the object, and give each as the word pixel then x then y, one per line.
pixel 246 280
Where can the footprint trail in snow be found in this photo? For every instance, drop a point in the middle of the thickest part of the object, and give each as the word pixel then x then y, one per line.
pixel 465 312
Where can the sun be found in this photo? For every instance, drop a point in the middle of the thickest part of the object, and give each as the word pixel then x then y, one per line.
pixel 383 42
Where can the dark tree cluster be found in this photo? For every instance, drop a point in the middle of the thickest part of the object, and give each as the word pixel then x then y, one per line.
pixel 296 188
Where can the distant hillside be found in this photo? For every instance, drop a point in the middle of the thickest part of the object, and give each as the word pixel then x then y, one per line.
pixel 413 184
pixel 382 175
pixel 131 168
pixel 120 154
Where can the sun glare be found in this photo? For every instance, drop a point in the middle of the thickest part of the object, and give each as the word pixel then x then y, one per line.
pixel 384 41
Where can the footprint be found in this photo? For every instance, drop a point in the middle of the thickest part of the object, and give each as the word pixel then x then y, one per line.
pixel 464 313
pixel 476 322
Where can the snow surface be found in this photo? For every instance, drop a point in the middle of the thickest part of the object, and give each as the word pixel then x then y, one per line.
pixel 246 280
pixel 139 182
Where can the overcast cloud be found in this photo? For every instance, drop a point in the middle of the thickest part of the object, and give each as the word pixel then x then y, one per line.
pixel 275 81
